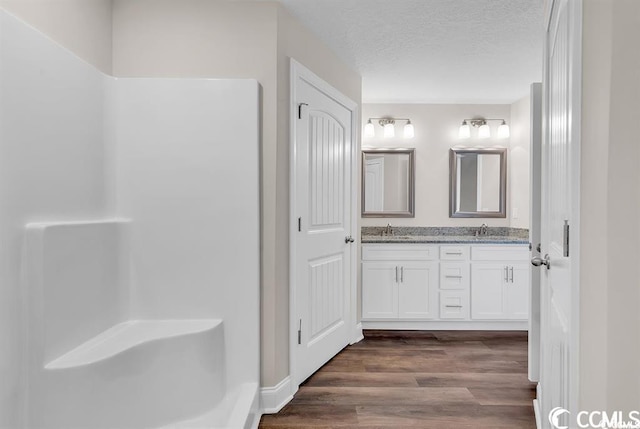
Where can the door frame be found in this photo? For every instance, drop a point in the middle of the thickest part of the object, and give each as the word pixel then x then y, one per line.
pixel 535 211
pixel 300 72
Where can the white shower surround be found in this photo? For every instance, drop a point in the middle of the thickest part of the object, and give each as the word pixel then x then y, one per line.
pixel 180 159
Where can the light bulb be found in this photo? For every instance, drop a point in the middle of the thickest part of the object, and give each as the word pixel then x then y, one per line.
pixel 408 130
pixel 369 130
pixel 484 132
pixel 389 131
pixel 503 131
pixel 465 131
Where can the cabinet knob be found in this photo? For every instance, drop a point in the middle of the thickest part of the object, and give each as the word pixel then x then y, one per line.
pixel 348 239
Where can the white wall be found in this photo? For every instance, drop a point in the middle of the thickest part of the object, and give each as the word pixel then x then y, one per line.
pixel 623 210
pixel 593 203
pixel 519 160
pixel 610 208
pixel 49 170
pixel 82 26
pixel 436 132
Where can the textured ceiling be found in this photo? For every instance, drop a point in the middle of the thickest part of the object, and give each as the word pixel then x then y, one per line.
pixel 432 51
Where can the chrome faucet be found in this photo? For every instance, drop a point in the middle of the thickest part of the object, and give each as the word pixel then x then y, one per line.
pixel 387 230
pixel 483 229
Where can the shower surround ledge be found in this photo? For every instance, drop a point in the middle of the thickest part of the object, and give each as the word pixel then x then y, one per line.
pixel 87 352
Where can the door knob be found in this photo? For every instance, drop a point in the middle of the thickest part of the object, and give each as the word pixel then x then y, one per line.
pixel 537 261
pixel 349 239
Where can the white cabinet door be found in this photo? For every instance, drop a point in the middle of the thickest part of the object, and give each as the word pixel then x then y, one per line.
pixel 517 291
pixel 488 300
pixel 380 290
pixel 500 291
pixel 417 290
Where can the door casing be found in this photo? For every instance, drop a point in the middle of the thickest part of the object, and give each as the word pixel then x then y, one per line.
pixel 297 72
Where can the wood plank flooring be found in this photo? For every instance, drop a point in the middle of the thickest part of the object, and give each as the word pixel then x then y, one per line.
pixel 418 379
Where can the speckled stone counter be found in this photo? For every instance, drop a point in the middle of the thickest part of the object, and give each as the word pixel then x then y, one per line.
pixel 435 235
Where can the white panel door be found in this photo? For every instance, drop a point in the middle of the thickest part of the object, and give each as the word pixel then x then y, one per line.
pixel 323 146
pixel 560 188
pixel 380 290
pixel 418 290
pixel 488 300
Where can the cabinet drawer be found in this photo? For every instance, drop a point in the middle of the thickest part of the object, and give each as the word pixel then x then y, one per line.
pixel 454 275
pixel 399 252
pixel 454 304
pixel 500 253
pixel 454 253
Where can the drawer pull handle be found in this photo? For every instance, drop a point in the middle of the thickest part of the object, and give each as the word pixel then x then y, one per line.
pixel 453 277
pixel 453 306
pixel 453 253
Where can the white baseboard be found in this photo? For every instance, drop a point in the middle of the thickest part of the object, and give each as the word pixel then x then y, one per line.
pixel 358 336
pixel 273 399
pixel 536 406
pixel 425 325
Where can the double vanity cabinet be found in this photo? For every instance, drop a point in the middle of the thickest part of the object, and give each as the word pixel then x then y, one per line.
pixel 424 285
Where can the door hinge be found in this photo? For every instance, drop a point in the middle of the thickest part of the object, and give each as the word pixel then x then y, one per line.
pixel 300 332
pixel 299 224
pixel 565 239
pixel 300 109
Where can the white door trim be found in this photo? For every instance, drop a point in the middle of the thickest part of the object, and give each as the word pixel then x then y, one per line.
pixel 298 71
pixel 535 138
pixel 576 129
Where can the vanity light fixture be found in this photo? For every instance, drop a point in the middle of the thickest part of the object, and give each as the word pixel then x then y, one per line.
pixel 408 130
pixel 369 130
pixel 484 132
pixel 483 128
pixel 389 131
pixel 388 126
pixel 465 130
pixel 503 130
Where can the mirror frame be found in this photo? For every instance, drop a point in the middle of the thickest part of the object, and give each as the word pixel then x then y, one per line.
pixel 453 188
pixel 412 185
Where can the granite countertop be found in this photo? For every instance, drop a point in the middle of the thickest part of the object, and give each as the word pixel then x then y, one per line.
pixel 439 235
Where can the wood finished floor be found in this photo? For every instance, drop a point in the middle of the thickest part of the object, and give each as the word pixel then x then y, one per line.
pixel 418 379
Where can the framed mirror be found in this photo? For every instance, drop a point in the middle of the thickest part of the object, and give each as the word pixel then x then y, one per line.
pixel 478 183
pixel 388 188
